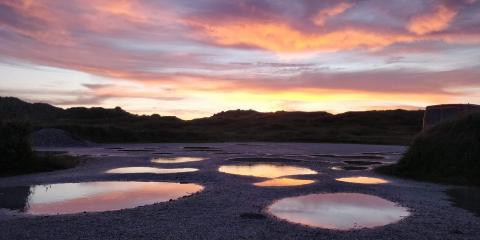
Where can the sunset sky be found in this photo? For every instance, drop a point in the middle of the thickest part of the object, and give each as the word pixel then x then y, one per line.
pixel 198 57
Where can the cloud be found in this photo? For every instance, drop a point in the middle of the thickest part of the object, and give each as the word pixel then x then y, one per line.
pixel 324 14
pixel 179 50
pixel 432 22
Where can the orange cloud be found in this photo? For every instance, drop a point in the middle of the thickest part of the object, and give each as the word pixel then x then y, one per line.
pixel 433 22
pixel 326 13
pixel 280 37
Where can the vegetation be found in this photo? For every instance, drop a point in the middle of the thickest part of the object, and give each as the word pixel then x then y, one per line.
pixel 116 125
pixel 447 153
pixel 17 156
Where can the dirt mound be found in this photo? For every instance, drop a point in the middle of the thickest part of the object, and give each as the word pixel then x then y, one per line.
pixel 51 137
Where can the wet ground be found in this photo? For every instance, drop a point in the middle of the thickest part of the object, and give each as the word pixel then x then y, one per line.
pixel 241 206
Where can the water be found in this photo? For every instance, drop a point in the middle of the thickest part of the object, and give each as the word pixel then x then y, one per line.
pixel 126 170
pixel 265 170
pixel 339 211
pixel 65 198
pixel 362 180
pixel 283 182
pixel 177 159
pixel 349 168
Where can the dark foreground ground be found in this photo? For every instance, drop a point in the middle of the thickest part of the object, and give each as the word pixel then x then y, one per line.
pixel 215 212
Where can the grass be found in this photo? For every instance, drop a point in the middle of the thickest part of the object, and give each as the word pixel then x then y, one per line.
pixel 447 153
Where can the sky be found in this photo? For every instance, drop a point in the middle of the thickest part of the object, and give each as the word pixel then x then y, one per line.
pixel 198 57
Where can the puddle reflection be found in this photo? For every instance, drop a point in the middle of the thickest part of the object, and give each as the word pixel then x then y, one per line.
pixel 150 170
pixel 283 182
pixel 265 170
pixel 177 159
pixel 67 198
pixel 339 211
pixel 362 180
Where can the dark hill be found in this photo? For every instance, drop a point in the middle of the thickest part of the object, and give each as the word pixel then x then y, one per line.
pixel 117 125
pixel 448 153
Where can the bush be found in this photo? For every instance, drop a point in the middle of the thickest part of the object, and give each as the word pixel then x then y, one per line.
pixel 15 150
pixel 447 153
pixel 17 157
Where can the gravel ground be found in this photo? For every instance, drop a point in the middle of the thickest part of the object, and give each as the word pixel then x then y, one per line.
pixel 223 209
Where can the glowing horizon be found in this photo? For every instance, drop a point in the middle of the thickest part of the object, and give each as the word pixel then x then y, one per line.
pixel 194 59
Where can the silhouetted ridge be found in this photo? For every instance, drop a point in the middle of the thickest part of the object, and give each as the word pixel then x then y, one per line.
pixel 116 125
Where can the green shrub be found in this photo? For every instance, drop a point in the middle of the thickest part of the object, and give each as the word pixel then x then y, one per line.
pixel 448 153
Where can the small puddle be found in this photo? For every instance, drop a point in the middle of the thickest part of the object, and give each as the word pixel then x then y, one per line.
pixel 338 211
pixel 136 150
pixel 362 163
pixel 265 170
pixel 177 159
pixel 126 170
pixel 65 198
pixel 362 180
pixel 349 168
pixel 264 159
pixel 361 156
pixel 466 198
pixel 283 182
pixel 202 149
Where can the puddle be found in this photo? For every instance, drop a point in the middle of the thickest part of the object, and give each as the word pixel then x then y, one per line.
pixel 265 170
pixel 136 150
pixel 362 163
pixel 177 159
pixel 150 170
pixel 362 180
pixel 361 156
pixel 228 153
pixel 67 198
pixel 349 168
pixel 202 149
pixel 338 211
pixel 466 198
pixel 283 182
pixel 263 159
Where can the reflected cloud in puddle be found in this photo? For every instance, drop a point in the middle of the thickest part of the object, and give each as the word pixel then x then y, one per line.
pixel 68 198
pixel 177 159
pixel 265 170
pixel 362 180
pixel 283 182
pixel 150 170
pixel 338 211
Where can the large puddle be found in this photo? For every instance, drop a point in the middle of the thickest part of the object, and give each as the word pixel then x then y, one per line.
pixel 177 159
pixel 67 198
pixel 126 170
pixel 339 211
pixel 362 180
pixel 265 170
pixel 283 182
